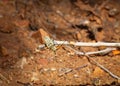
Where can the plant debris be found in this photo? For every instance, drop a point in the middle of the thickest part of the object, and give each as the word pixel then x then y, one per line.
pixel 59 42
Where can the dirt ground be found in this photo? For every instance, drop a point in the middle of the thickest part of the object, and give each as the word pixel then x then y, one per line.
pixel 23 64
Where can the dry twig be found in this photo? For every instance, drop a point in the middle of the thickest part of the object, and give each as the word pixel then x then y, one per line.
pixel 68 70
pixel 103 52
pixel 87 44
pixel 54 42
pixel 105 69
pixel 82 44
pixel 99 65
pixel 4 78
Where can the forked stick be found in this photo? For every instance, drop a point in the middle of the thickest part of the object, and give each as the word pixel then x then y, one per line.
pixel 99 65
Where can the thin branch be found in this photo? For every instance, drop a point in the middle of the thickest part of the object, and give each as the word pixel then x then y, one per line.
pixel 87 44
pixel 68 70
pixel 4 78
pixel 103 52
pixel 105 69
pixel 88 53
pixel 99 65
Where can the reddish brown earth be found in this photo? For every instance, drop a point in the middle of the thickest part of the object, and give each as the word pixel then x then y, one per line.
pixel 21 64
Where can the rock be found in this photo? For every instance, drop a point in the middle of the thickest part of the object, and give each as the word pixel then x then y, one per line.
pixel 3 51
pixel 43 34
pixel 42 61
pixel 113 12
pixel 40 35
pixel 78 35
pixel 22 23
pixel 21 63
pixel 118 80
pixel 98 72
pixel 35 77
pixel 1 16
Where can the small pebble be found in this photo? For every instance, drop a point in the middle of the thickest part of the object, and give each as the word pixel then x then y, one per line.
pixel 1 16
pixel 37 50
pixel 31 57
pixel 45 69
pixel 53 69
pixel 76 76
pixel 113 12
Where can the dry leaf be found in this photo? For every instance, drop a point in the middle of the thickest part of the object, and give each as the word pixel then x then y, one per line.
pixel 116 52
